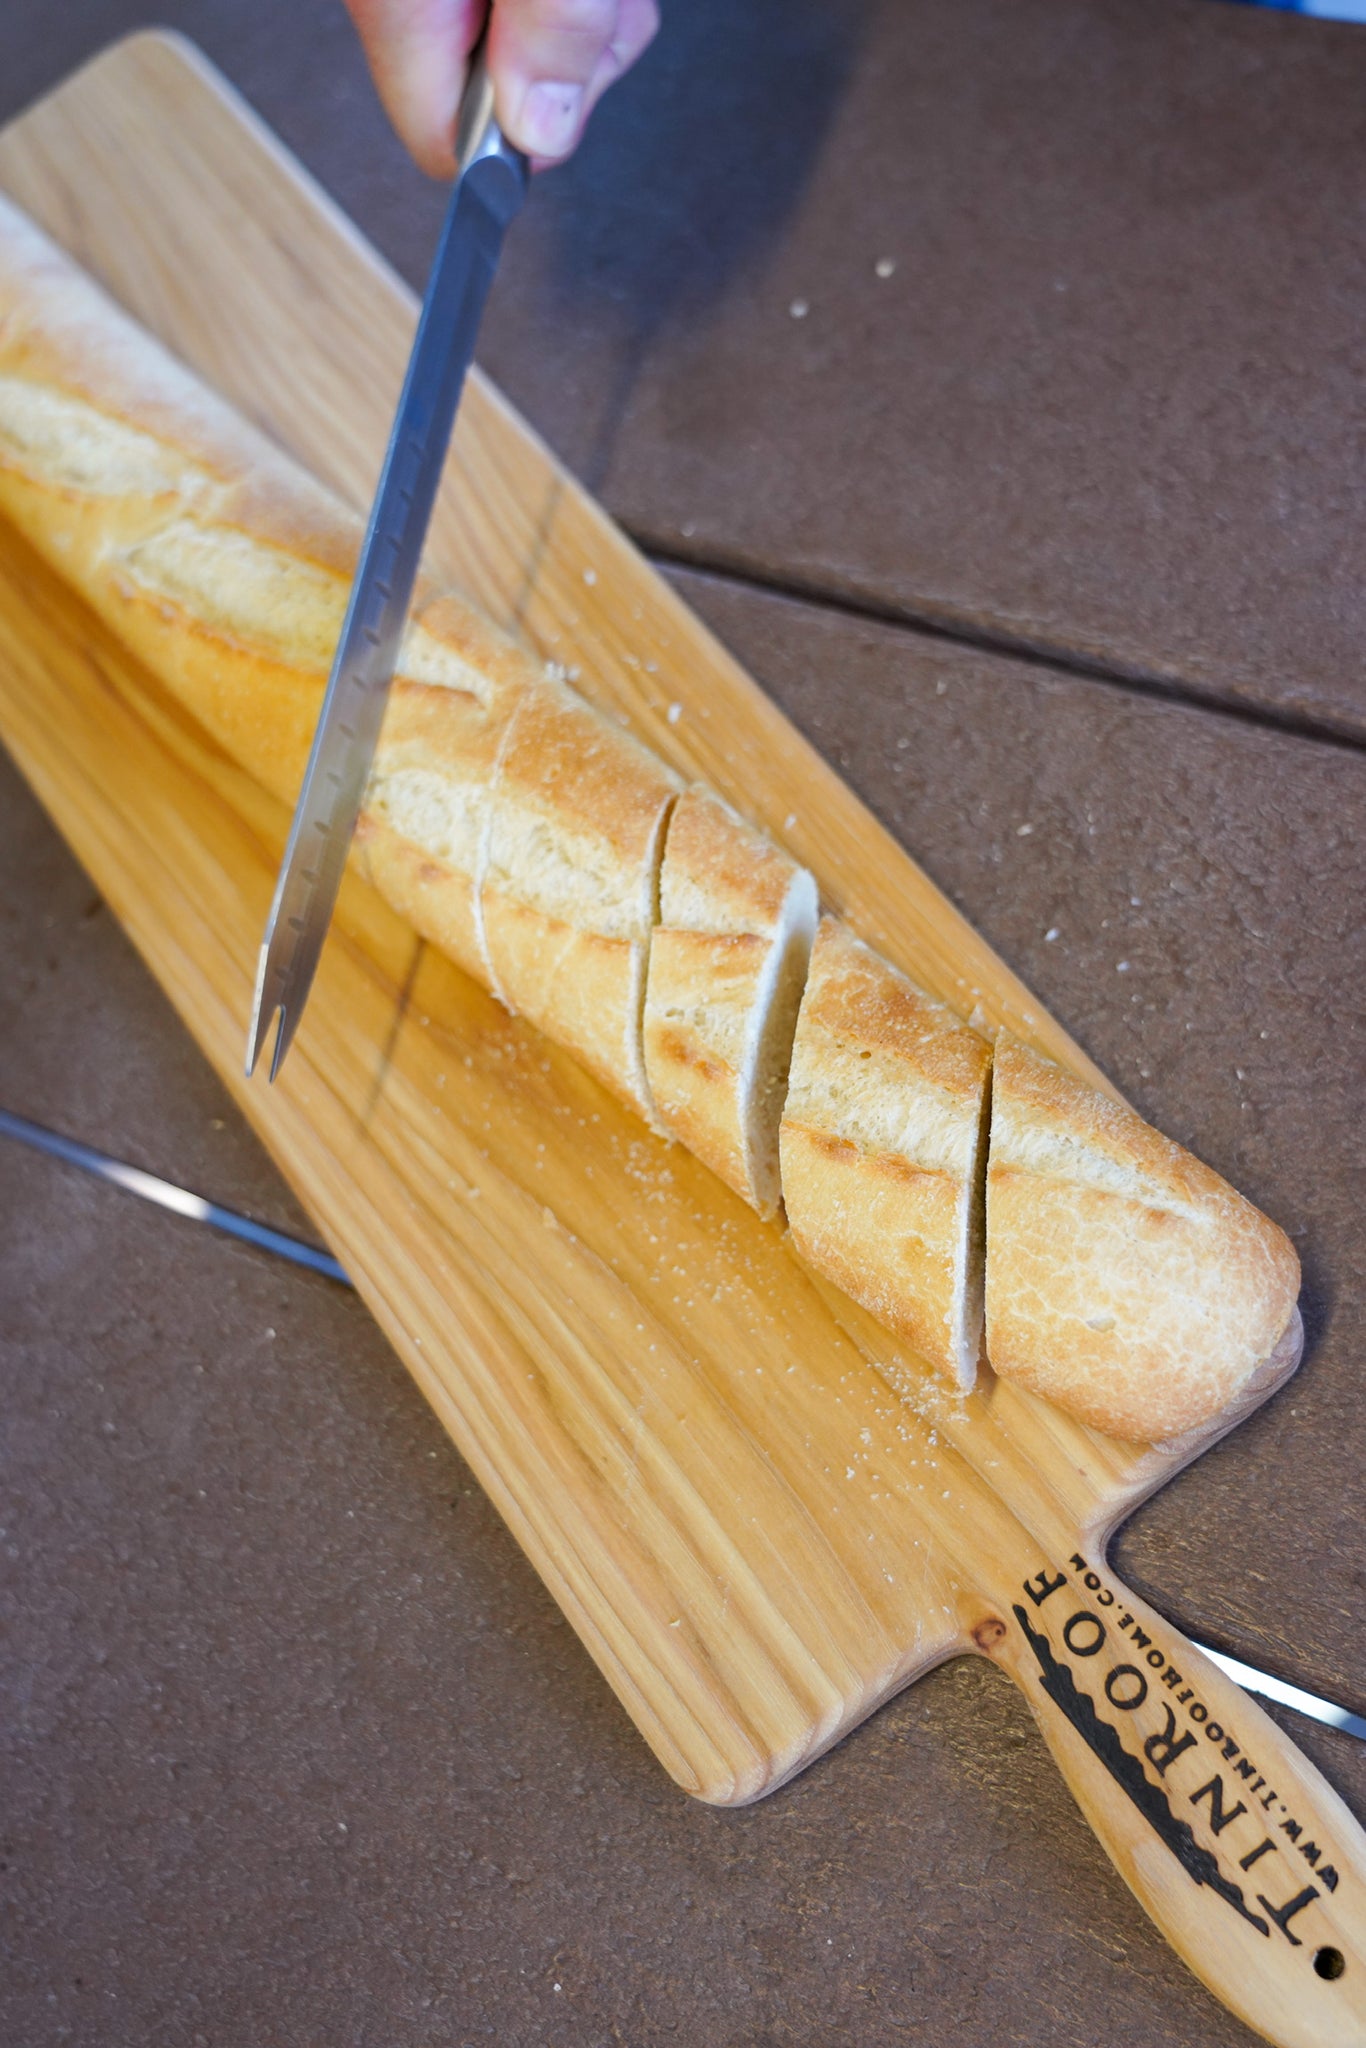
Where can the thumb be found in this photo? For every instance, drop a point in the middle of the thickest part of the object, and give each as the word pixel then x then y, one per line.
pixel 550 60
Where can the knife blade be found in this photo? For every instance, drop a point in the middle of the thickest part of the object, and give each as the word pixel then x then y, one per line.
pixel 490 186
pixel 135 1180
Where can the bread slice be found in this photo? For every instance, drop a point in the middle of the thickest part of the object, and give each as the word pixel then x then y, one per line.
pixel 421 836
pixel 569 880
pixel 883 1148
pixel 1125 1280
pixel 728 962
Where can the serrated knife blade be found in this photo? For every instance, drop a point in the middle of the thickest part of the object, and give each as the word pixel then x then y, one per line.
pixel 490 186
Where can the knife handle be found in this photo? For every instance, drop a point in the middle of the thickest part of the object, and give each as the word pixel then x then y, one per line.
pixel 1244 1856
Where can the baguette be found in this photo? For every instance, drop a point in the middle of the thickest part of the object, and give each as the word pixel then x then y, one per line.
pixel 728 961
pixel 646 928
pixel 882 1149
pixel 1125 1280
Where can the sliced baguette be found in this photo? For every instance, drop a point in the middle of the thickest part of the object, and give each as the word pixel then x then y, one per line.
pixel 1125 1280
pixel 569 880
pixel 522 833
pixel 882 1147
pixel 728 963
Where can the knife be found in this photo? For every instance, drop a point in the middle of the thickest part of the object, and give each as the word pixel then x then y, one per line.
pixel 490 186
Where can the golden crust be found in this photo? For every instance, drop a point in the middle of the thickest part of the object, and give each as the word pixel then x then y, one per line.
pixel 570 880
pixel 720 874
pixel 879 1229
pixel 880 1147
pixel 59 331
pixel 1125 1279
pixel 856 996
pixel 80 370
pixel 435 898
pixel 727 964
pixel 577 815
pixel 227 569
pixel 580 988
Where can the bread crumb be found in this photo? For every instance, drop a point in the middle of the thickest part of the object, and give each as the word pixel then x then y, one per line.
pixel 1052 933
pixel 674 713
pixel 799 309
pixel 884 267
pixel 1023 831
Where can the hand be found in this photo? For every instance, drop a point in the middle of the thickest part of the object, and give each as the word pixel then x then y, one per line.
pixel 550 60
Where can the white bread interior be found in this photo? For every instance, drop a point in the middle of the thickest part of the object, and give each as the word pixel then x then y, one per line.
pixel 883 1150
pixel 1125 1279
pixel 728 962
pixel 569 879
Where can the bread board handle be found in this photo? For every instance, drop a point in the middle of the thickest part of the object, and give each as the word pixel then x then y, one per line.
pixel 1244 1856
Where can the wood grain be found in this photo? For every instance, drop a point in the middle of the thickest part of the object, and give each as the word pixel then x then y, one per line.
pixel 761 1515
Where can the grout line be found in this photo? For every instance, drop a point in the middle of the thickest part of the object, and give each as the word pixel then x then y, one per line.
pixel 1167 689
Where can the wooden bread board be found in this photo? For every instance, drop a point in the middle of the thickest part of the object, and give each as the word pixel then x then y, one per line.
pixel 757 1538
pixel 649 1383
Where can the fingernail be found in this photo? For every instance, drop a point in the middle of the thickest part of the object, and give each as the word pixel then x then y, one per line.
pixel 548 123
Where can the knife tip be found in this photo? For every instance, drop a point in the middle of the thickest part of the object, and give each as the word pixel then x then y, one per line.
pixel 261 1023
pixel 288 1020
